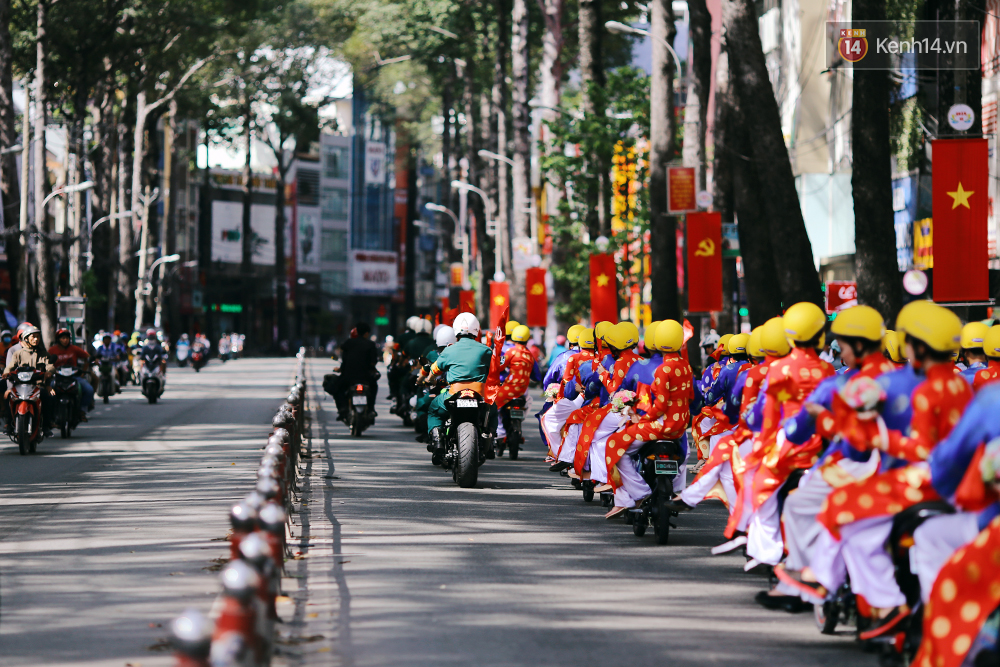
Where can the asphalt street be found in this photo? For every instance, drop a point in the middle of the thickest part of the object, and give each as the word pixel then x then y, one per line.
pixel 395 565
pixel 107 536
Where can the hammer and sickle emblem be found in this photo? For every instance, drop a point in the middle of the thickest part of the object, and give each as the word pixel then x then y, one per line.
pixel 706 248
pixel 537 289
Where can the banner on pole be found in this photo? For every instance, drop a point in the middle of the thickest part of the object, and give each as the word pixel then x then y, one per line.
pixel 499 301
pixel 603 288
pixel 537 297
pixel 704 259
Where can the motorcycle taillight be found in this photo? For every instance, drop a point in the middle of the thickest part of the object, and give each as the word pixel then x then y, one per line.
pixel 360 387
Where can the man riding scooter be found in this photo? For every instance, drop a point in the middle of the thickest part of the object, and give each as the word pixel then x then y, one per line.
pixel 358 359
pixel 65 354
pixel 113 353
pixel 33 354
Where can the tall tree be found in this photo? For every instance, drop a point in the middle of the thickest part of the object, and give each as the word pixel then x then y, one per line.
pixel 43 246
pixel 877 272
pixel 793 257
pixel 662 226
pixel 521 171
pixel 590 30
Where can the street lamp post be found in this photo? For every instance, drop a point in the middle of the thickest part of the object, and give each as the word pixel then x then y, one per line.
pixel 65 190
pixel 622 28
pixel 97 223
pixel 158 316
pixel 464 235
pixel 498 274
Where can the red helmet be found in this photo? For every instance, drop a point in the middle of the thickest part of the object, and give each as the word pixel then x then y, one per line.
pixel 150 333
pixel 63 332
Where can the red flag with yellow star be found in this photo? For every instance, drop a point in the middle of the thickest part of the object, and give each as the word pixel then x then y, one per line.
pixel 603 288
pixel 537 297
pixel 499 301
pixel 960 190
pixel 467 301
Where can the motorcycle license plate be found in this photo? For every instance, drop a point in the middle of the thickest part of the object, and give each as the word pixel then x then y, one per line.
pixel 665 467
pixel 359 400
pixel 517 413
pixel 466 403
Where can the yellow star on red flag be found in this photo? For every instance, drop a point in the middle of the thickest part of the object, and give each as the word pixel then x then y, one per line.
pixel 498 300
pixel 960 197
pixel 602 280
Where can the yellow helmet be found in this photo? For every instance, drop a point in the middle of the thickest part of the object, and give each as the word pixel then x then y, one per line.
pixel 974 335
pixel 933 324
pixel 773 338
pixel 738 343
pixel 991 345
pixel 601 329
pixel 669 336
pixel 622 336
pixel 649 336
pixel 859 322
pixel 803 321
pixel 586 339
pixel 954 355
pixel 520 334
pixel 724 342
pixel 511 325
pixel 573 333
pixel 754 346
pixel 891 346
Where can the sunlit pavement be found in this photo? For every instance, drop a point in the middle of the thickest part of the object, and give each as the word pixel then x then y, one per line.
pixel 107 536
pixel 398 566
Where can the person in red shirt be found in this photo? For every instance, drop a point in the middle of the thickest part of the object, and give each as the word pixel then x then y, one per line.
pixel 991 346
pixel 64 353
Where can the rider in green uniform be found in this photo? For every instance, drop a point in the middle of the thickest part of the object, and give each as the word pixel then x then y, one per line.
pixel 467 362
pixel 444 337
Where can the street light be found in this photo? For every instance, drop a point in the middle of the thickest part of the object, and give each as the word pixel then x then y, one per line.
pixel 79 187
pixel 90 237
pixel 158 314
pixel 490 155
pixel 621 28
pixel 534 103
pixel 463 237
pixel 497 230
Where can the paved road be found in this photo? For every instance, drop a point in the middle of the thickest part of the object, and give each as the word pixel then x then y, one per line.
pixel 104 538
pixel 400 567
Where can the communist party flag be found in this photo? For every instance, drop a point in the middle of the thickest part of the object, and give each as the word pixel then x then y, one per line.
pixel 960 199
pixel 603 288
pixel 499 301
pixel 704 260
pixel 467 301
pixel 538 298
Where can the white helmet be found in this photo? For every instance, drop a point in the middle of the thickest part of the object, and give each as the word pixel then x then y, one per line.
pixel 412 323
pixel 466 324
pixel 437 327
pixel 426 326
pixel 444 336
pixel 711 338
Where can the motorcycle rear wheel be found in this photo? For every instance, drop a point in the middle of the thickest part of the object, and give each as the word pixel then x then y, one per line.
pixel 152 398
pixel 466 470
pixel 640 525
pixel 663 515
pixel 23 435
pixel 356 428
pixel 514 444
pixel 64 430
pixel 588 491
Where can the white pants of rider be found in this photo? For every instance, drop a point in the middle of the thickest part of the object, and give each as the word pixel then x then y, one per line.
pixel 598 447
pixel 764 533
pixel 554 419
pixel 501 431
pixel 861 552
pixel 568 450
pixel 934 542
pixel 723 474
pixel 633 487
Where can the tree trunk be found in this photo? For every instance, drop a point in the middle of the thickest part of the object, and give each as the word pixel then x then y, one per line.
pixel 138 157
pixel 9 186
pixel 663 227
pixel 43 253
pixel 473 137
pixel 735 170
pixel 879 284
pixel 793 257
pixel 246 230
pixel 127 217
pixel 722 183
pixel 521 170
pixel 498 142
pixel 280 270
pixel 700 34
pixel 590 29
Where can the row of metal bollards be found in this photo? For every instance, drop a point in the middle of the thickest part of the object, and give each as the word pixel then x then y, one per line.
pixel 239 630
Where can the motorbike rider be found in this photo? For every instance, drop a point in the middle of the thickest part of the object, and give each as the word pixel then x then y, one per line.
pixel 63 353
pixel 152 353
pixel 113 352
pixel 6 341
pixel 33 353
pixel 466 365
pixel 359 355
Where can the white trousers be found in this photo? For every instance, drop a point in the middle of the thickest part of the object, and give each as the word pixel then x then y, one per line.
pixel 723 474
pixel 934 542
pixel 568 450
pixel 555 418
pixel 861 552
pixel 764 533
pixel 598 447
pixel 633 487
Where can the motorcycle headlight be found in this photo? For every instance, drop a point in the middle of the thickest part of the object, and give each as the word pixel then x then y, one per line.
pixel 65 371
pixel 25 376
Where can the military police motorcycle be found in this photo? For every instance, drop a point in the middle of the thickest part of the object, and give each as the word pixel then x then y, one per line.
pixel 467 436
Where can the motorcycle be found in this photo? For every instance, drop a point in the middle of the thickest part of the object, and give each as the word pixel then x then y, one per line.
pixel 402 404
pixel 183 352
pixel 106 382
pixel 198 358
pixel 466 436
pixel 67 405
pixel 152 382
pixel 661 461
pixel 359 417
pixel 512 415
pixel 26 409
